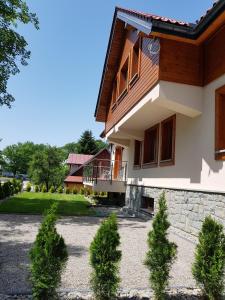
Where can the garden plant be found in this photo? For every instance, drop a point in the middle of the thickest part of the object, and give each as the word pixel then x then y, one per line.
pixel 209 264
pixel 48 258
pixel 161 253
pixel 104 258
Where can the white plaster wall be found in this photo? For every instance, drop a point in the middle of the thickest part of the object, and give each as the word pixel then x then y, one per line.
pixel 195 167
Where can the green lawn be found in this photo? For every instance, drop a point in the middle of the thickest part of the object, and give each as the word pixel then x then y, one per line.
pixel 37 203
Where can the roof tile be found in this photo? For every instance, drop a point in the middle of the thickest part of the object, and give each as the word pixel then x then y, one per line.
pixel 78 159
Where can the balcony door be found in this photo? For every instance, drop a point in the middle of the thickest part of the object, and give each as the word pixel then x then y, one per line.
pixel 118 162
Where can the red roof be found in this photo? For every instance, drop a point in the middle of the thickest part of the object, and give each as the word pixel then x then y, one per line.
pixel 78 159
pixel 74 179
pixel 151 16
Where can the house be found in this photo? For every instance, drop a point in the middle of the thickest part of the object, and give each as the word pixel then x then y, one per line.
pixel 77 164
pixel 162 102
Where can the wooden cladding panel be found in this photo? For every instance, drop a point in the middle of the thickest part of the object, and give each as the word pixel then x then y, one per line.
pixel 181 62
pixel 149 75
pixel 215 56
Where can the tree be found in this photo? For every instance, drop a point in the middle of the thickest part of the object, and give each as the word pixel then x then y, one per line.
pixel 12 159
pixel 70 148
pixel 100 144
pixel 18 156
pixel 12 45
pixel 161 253
pixel 47 167
pixel 208 268
pixel 86 143
pixel 48 258
pixel 104 258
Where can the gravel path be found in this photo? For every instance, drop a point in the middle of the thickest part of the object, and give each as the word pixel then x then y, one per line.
pixel 17 233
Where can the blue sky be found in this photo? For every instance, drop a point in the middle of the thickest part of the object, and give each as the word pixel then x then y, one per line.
pixel 56 94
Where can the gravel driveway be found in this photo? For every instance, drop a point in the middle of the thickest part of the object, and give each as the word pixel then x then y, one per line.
pixel 17 233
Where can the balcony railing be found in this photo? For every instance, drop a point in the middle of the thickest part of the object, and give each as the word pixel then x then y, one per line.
pixel 109 170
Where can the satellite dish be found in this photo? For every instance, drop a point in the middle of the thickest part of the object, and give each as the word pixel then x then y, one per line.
pixel 154 47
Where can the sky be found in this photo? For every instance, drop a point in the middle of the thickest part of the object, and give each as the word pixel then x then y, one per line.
pixel 57 92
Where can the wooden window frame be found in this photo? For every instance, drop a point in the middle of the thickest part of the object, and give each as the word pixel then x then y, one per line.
pixel 137 166
pixel 123 93
pixel 155 162
pixel 219 153
pixel 171 161
pixel 136 76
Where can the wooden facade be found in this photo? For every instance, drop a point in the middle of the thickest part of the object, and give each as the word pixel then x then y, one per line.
pixel 148 77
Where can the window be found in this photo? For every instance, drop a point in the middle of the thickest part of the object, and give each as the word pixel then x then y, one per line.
pixel 168 141
pixel 123 80
pixel 114 92
pixel 137 153
pixel 151 144
pixel 220 124
pixel 135 61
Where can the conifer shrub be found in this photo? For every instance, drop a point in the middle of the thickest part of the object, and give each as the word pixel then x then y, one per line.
pixel 75 191
pixel 95 193
pixel 87 192
pixel 161 253
pixel 67 190
pixel 44 189
pixel 7 189
pixel 52 189
pixel 209 265
pixel 36 188
pixel 104 259
pixel 1 192
pixel 82 191
pixel 60 190
pixel 28 187
pixel 48 258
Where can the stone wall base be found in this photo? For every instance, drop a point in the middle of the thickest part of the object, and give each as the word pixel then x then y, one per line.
pixel 187 209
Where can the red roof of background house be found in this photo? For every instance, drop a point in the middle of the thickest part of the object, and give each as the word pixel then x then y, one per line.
pixel 78 159
pixel 74 179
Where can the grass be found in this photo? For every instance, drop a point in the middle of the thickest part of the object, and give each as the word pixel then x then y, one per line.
pixel 37 203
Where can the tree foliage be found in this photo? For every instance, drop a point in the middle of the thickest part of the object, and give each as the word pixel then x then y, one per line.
pixel 17 157
pixel 87 143
pixel 104 258
pixel 13 46
pixel 48 258
pixel 208 268
pixel 47 167
pixel 161 253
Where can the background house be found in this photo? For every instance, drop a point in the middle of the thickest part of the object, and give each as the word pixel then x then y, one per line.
pixel 77 164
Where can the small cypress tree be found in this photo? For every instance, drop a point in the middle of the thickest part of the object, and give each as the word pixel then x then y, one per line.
pixel 60 190
pixel 104 258
pixel 209 264
pixel 52 189
pixel 48 258
pixel 28 187
pixel 161 253
pixel 36 188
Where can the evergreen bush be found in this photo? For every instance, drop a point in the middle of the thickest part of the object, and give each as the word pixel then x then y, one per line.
pixel 7 189
pixel 95 193
pixel 209 264
pixel 36 188
pixel 28 187
pixel 48 258
pixel 75 191
pixel 44 189
pixel 82 191
pixel 60 190
pixel 67 190
pixel 161 253
pixel 104 258
pixel 52 189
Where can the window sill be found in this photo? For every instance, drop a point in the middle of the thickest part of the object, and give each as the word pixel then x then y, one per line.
pixel 122 95
pixel 165 163
pixel 149 165
pixel 134 80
